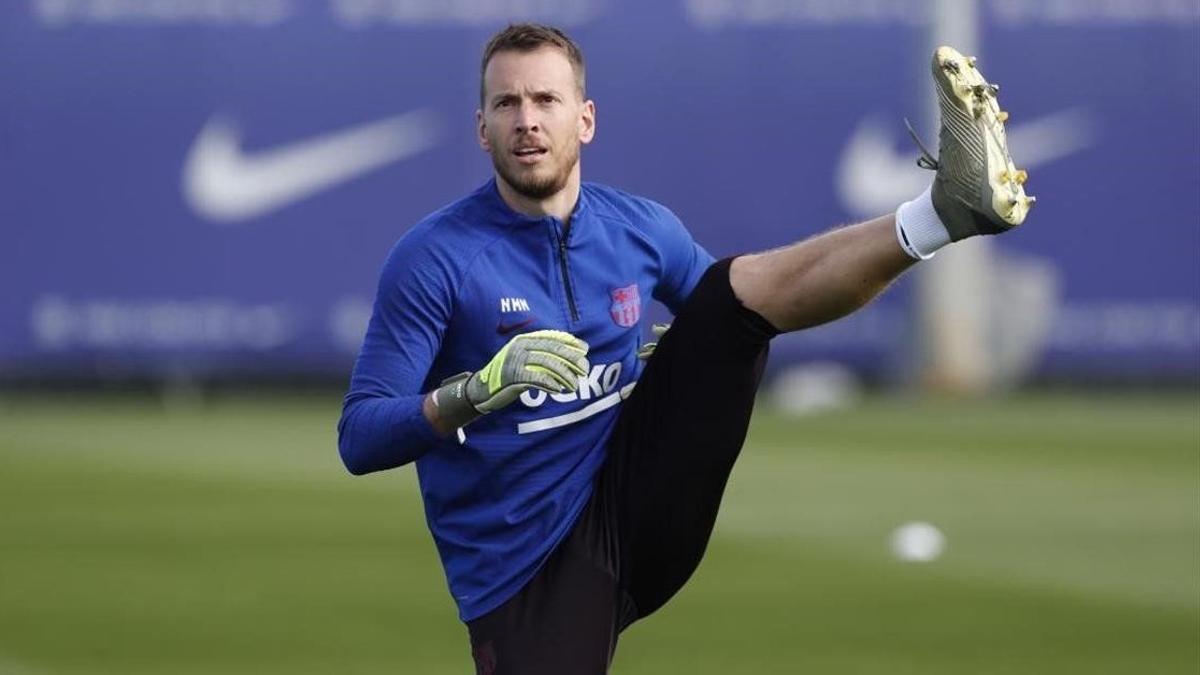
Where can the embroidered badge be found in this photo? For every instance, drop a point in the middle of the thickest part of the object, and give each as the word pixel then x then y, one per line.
pixel 626 306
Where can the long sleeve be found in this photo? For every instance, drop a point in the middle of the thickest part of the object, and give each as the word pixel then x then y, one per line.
pixel 382 424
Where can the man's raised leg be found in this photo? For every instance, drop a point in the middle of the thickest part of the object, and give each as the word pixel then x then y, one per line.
pixel 680 432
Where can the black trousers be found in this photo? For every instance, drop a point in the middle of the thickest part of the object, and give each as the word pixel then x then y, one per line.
pixel 648 522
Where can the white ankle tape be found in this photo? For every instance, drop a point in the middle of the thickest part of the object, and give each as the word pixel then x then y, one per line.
pixel 918 228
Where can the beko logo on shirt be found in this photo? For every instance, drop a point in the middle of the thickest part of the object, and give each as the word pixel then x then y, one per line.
pixel 600 381
pixel 599 386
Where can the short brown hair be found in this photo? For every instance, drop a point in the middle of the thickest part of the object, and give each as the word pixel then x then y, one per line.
pixel 527 37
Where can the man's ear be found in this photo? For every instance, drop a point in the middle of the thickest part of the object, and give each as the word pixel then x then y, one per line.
pixel 587 122
pixel 481 131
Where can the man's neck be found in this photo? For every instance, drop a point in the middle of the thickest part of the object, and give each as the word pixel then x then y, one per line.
pixel 560 204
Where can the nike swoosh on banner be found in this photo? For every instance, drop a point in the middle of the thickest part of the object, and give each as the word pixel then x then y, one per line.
pixel 227 185
pixel 874 178
pixel 505 329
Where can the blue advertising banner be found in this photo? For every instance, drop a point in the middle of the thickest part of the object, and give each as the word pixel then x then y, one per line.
pixel 210 186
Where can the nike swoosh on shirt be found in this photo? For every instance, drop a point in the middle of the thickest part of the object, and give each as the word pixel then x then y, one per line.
pixel 225 184
pixel 506 328
pixel 873 177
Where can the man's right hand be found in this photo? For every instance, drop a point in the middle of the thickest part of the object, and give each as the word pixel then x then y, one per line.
pixel 549 360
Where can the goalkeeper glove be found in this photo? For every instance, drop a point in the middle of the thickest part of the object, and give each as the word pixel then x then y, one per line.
pixel 549 360
pixel 647 350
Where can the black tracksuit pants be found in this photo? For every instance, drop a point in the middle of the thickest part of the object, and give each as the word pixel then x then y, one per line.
pixel 648 522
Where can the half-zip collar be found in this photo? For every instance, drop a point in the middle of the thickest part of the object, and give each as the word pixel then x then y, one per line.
pixel 562 236
pixel 509 216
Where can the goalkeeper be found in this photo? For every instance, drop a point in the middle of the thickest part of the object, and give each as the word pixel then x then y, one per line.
pixel 501 357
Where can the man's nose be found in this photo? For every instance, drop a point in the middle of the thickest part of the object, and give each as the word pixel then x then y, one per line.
pixel 527 120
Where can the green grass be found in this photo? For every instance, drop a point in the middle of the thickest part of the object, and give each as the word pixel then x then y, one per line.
pixel 227 539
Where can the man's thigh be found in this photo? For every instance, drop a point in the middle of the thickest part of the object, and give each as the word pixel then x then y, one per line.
pixel 677 438
pixel 565 619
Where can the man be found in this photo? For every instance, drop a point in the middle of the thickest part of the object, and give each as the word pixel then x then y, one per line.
pixel 501 357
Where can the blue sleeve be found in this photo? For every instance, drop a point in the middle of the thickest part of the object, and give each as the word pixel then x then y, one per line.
pixel 683 260
pixel 383 424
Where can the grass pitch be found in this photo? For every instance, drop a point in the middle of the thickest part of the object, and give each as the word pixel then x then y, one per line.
pixel 226 538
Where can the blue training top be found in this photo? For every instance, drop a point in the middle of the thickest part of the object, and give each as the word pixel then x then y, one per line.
pixel 501 494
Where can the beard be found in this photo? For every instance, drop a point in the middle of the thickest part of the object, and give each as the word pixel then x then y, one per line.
pixel 536 184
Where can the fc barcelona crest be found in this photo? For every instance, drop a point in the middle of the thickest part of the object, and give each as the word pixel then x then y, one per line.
pixel 626 306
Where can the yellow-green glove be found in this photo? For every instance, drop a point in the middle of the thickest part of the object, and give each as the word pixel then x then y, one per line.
pixel 549 360
pixel 647 350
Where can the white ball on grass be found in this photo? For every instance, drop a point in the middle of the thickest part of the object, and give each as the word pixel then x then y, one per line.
pixel 917 542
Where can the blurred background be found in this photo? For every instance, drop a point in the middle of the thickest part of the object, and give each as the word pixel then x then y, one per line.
pixel 196 197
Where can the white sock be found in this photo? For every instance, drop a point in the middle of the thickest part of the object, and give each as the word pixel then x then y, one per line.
pixel 920 231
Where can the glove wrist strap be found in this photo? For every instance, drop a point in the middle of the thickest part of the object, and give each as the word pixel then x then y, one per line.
pixel 450 399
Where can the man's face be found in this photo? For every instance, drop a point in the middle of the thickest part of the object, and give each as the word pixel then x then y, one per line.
pixel 534 120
